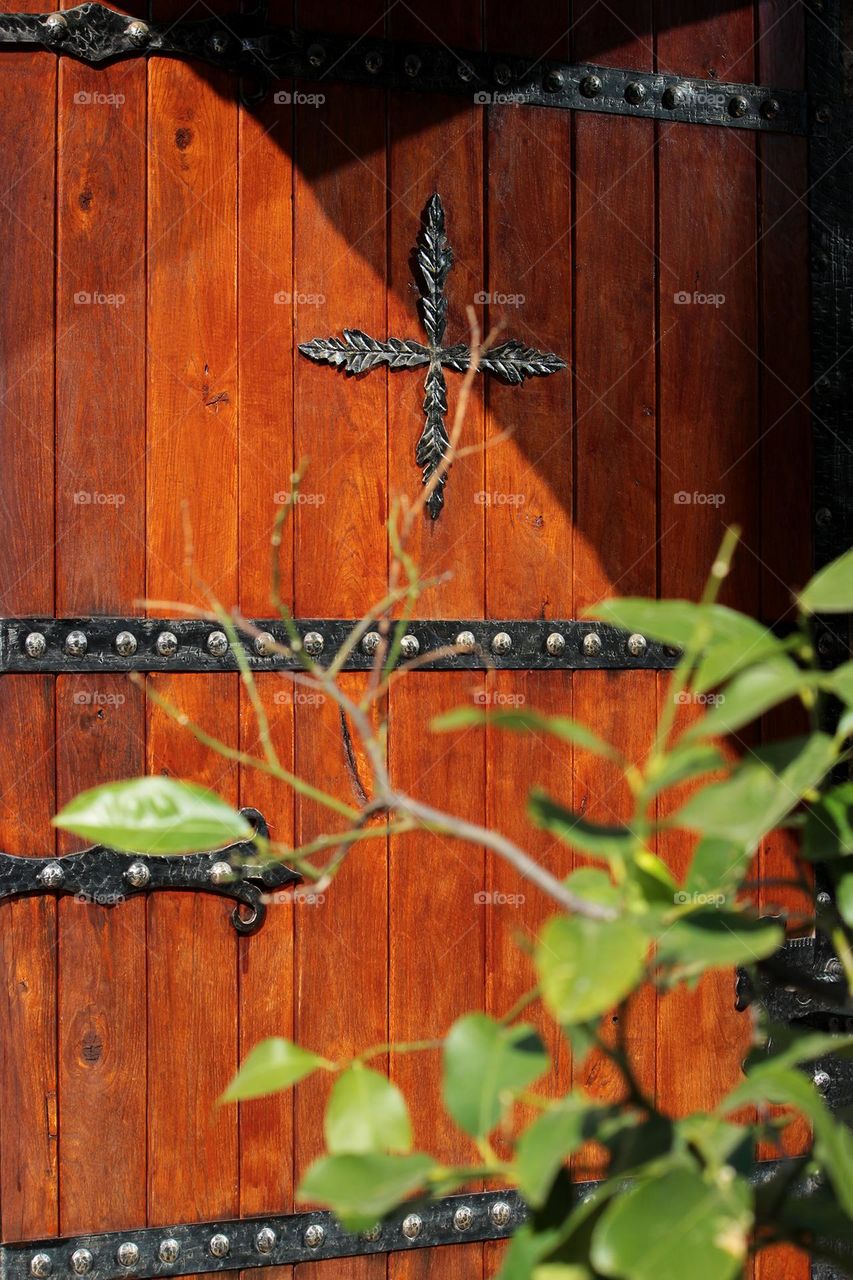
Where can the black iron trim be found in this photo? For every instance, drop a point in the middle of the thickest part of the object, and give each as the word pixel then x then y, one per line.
pixel 101 876
pixel 248 46
pixel 585 645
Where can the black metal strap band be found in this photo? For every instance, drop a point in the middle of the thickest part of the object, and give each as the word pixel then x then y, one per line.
pixel 248 46
pixel 105 644
pixel 104 877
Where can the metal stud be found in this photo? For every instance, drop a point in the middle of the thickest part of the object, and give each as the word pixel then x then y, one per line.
pixel 314 1235
pixel 218 43
pixel 35 645
pixel 822 1081
pixel 411 1226
pixel 465 71
pixel 502 73
pixel 52 876
pixel 374 1234
pixel 770 108
pixel 466 641
pixel 316 55
pixel 591 86
pixel 217 644
pixel 410 646
pixel 76 644
pixel 127 1254
pixel 738 106
pixel 635 92
pixel 555 644
pixel 373 63
pixel 555 81
pixel 463 1217
pixel 166 644
pixel 81 1262
pixel 412 65
pixel 637 645
pixel 169 1250
pixel 57 27
pixel 264 644
pixel 219 1245
pixel 221 873
pixel 137 875
pixel 591 644
pixel 40 1265
pixel 500 1213
pixel 265 1240
pixel 673 97
pixel 313 643
pixel 371 642
pixel 126 644
pixel 137 32
pixel 501 643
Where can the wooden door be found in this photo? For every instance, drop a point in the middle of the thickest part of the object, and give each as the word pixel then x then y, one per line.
pixel 165 250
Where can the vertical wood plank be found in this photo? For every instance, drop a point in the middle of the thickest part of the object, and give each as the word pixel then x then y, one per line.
pixel 28 1130
pixel 340 558
pixel 708 430
pixel 436 924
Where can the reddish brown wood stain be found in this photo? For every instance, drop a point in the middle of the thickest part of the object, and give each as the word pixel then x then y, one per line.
pixel 233 235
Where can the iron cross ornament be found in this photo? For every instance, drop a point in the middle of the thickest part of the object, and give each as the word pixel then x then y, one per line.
pixel 357 352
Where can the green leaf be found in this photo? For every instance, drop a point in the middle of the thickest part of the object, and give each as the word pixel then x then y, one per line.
pixel 273 1065
pixel 361 1189
pixel 365 1113
pixel 788 1047
pixel 840 682
pixel 717 940
pixel 762 790
pixel 154 815
pixel 562 727
pixel 593 885
pixel 828 831
pixel 587 966
pixel 485 1065
pixel 844 897
pixel 717 868
pixel 600 841
pixel 547 1143
pixel 831 590
pixel 683 763
pixel 675 1226
pixel 749 695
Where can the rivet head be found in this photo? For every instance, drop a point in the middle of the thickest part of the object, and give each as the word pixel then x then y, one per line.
pixel 370 643
pixel 137 875
pixel 125 644
pixel 466 641
pixel 169 1250
pixel 833 968
pixel 637 645
pixel 313 643
pixel 673 97
pixel 500 1213
pixel 823 115
pixel 554 80
pixel 555 644
pixel 412 65
pixel 221 873
pixel 57 28
pixel 591 644
pixel 465 71
pixel 373 63
pixel 137 32
pixel 591 86
pixel 635 92
pixel 822 1081
pixel 316 55
pixel 463 1217
pixel 264 644
pixel 35 645
pixel 502 73
pixel 411 1226
pixel 127 1254
pixel 218 43
pixel 501 643
pixel 51 876
pixel 770 108
pixel 40 1265
pixel 81 1262
pixel 410 646
pixel 314 1236
pixel 823 900
pixel 76 644
pixel 166 644
pixel 265 1240
pixel 219 1245
pixel 738 106
pixel 374 1234
pixel 217 644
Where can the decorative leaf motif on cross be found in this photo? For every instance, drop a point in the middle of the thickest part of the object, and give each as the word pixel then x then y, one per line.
pixel 357 352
